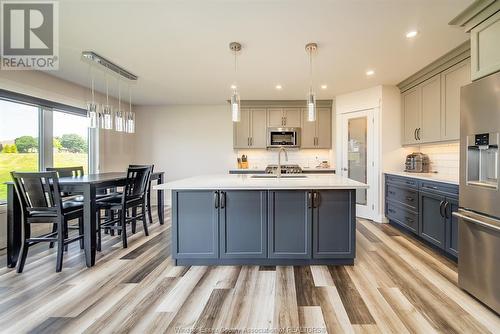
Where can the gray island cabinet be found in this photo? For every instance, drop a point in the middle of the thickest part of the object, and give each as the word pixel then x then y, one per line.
pixel 263 220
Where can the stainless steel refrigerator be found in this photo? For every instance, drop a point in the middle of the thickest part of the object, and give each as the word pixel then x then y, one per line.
pixel 479 213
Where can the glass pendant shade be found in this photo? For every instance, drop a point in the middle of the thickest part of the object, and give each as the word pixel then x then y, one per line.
pixel 119 121
pixel 130 122
pixel 92 117
pixel 235 107
pixel 311 107
pixel 107 117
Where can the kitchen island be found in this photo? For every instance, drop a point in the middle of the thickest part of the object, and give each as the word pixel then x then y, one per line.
pixel 263 220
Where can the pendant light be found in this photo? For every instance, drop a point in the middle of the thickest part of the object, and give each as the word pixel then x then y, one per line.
pixel 311 98
pixel 107 111
pixel 92 116
pixel 235 47
pixel 130 116
pixel 119 119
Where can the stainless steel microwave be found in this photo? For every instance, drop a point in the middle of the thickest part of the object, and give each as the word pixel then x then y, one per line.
pixel 283 137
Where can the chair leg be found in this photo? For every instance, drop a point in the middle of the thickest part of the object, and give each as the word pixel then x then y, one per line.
pixel 123 217
pixel 54 229
pixel 80 231
pixel 150 215
pixel 144 222
pixel 60 245
pixel 24 250
pixel 65 235
pixel 134 221
pixel 99 236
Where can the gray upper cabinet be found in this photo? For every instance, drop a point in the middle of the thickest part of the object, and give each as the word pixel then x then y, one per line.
pixel 195 224
pixel 289 223
pixel 485 47
pixel 283 117
pixel 317 134
pixel 250 132
pixel 430 125
pixel 451 81
pixel 243 224
pixel 410 102
pixel 334 224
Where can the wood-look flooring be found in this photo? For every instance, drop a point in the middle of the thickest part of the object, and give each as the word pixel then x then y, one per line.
pixel 397 285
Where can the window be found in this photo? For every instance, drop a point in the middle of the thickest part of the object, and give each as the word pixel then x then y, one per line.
pixel 36 133
pixel 18 140
pixel 70 140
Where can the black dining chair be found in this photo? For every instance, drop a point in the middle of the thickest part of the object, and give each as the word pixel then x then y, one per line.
pixel 41 202
pixel 133 197
pixel 148 192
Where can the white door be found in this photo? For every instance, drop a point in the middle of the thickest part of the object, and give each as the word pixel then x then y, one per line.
pixel 357 158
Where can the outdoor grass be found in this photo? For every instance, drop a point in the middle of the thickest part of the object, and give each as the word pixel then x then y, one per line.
pixel 28 162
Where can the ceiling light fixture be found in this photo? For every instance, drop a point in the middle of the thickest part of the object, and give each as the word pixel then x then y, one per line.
pixel 324 86
pixel 370 73
pixel 279 87
pixel 130 116
pixel 235 47
pixel 311 98
pixel 92 106
pixel 119 117
pixel 411 34
pixel 107 110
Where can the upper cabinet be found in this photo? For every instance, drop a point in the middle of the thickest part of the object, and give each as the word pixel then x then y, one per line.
pixel 317 134
pixel 430 101
pixel 251 130
pixel 283 117
pixel 482 20
pixel 485 47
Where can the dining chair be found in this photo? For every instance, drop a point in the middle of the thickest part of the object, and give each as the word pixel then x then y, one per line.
pixel 41 202
pixel 133 197
pixel 148 192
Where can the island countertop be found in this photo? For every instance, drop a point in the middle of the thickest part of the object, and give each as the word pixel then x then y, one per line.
pixel 245 182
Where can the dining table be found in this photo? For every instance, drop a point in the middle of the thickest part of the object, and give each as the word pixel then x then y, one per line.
pixel 86 185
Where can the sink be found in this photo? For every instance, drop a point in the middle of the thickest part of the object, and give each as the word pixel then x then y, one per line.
pixel 272 176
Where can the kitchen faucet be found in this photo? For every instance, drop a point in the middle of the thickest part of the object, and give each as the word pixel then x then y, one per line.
pixel 282 149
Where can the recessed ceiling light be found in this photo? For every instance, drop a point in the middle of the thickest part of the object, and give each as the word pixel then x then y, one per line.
pixel 278 87
pixel 411 34
pixel 324 86
pixel 370 72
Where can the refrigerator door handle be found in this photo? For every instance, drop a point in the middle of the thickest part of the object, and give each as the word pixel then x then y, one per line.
pixel 477 221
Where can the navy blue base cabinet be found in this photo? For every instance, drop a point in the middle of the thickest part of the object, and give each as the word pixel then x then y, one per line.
pixel 425 209
pixel 275 227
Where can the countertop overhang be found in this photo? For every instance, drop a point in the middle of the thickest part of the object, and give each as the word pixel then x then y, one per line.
pixel 436 177
pixel 246 181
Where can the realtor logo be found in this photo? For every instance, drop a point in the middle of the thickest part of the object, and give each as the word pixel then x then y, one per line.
pixel 30 33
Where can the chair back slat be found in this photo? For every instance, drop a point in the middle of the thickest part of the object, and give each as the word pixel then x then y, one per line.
pixel 137 181
pixel 38 191
pixel 67 171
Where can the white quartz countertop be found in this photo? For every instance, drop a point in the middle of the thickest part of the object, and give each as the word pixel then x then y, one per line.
pixel 428 176
pixel 304 169
pixel 246 181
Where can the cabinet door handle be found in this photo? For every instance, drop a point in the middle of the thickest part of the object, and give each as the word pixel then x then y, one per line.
pixel 251 141
pixel 309 199
pixel 446 210
pixel 391 210
pixel 222 199
pixel 415 134
pixel 216 199
pixel 441 209
pixel 410 199
pixel 418 134
pixel 316 199
pixel 409 220
pixel 392 192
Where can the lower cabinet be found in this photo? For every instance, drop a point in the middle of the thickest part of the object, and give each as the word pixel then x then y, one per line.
pixel 290 221
pixel 432 222
pixel 195 224
pixel 243 224
pixel 451 238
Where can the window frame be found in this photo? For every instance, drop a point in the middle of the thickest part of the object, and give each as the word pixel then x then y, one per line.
pixel 45 111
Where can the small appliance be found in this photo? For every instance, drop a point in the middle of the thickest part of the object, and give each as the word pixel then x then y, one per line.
pixel 417 162
pixel 283 137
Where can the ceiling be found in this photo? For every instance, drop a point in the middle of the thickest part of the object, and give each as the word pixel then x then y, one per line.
pixel 179 49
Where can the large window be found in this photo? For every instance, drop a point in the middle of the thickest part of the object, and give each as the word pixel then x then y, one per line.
pixel 70 140
pixel 34 136
pixel 18 140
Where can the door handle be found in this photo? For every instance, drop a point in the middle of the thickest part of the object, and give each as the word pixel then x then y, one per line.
pixel 222 199
pixel 445 209
pixel 441 209
pixel 309 199
pixel 477 221
pixel 216 199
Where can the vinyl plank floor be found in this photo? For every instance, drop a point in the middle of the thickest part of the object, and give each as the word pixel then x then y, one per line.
pixel 398 284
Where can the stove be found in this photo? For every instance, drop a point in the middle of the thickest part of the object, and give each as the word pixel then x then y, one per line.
pixel 285 169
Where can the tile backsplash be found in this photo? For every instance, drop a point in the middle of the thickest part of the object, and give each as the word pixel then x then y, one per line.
pixel 444 158
pixel 259 159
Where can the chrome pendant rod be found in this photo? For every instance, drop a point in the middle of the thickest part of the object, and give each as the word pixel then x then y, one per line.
pixel 100 60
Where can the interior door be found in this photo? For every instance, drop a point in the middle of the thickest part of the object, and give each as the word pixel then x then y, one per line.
pixel 357 158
